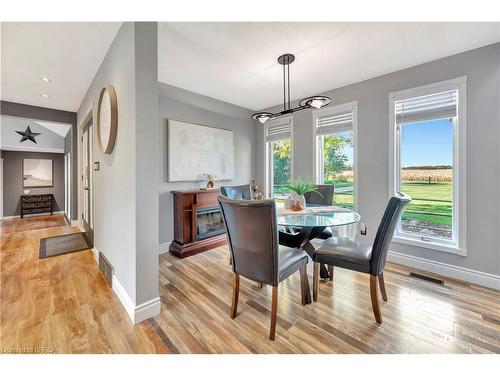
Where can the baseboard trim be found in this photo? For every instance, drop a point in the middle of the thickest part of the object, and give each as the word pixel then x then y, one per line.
pixel 476 277
pixel 163 247
pixel 96 255
pixel 140 312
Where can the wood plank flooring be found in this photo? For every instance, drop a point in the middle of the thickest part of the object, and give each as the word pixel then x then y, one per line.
pixel 64 302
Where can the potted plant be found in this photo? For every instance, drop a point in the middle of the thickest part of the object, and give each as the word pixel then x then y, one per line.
pixel 299 188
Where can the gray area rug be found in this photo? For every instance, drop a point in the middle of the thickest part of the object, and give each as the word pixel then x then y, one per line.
pixel 68 243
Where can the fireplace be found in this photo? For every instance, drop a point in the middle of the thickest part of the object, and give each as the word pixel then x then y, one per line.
pixel 198 222
pixel 208 222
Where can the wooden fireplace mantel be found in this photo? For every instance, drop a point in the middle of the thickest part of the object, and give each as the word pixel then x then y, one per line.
pixel 186 204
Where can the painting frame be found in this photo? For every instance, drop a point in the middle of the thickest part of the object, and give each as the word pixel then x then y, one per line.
pixel 49 184
pixel 229 175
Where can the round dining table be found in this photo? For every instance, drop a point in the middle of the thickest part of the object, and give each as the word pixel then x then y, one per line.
pixel 299 228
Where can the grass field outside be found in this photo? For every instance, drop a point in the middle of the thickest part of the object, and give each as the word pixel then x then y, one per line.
pixel 431 190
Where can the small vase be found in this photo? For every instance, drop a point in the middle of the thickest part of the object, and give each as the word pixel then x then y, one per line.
pixel 301 199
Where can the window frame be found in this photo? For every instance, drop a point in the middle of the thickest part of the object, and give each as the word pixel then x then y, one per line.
pixel 317 167
pixel 458 246
pixel 268 173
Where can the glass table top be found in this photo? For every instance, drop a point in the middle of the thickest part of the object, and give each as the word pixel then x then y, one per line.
pixel 324 216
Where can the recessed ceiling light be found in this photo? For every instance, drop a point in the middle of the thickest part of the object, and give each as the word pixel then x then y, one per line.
pixel 45 96
pixel 45 79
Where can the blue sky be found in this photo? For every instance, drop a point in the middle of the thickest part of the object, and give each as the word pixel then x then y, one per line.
pixel 423 143
pixel 427 143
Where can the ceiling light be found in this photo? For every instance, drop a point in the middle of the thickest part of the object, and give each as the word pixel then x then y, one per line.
pixel 45 79
pixel 316 101
pixel 262 116
pixel 45 96
pixel 311 102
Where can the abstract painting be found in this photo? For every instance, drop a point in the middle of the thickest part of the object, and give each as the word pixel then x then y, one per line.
pixel 38 173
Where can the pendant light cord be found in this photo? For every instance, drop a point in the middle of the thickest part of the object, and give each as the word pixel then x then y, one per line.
pixel 288 68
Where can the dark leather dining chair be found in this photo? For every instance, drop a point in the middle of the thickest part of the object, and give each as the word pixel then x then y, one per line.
pixel 323 196
pixel 344 253
pixel 237 192
pixel 253 242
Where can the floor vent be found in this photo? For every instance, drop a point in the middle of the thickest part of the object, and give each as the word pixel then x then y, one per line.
pixel 106 268
pixel 426 278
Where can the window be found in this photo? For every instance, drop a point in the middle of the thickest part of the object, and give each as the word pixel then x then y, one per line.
pixel 335 151
pixel 279 156
pixel 428 164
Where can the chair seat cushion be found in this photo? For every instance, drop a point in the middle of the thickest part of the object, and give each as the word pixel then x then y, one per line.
pixel 344 253
pixel 290 260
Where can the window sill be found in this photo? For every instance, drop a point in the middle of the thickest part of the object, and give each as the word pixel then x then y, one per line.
pixel 430 245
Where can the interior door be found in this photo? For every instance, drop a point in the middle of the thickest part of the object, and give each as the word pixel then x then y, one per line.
pixel 87 212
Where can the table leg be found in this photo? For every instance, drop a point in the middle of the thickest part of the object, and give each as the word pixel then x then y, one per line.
pixel 323 271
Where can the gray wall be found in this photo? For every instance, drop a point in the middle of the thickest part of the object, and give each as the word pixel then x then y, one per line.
pixel 46 140
pixel 482 68
pixel 183 105
pixel 126 187
pixel 13 180
pixel 51 115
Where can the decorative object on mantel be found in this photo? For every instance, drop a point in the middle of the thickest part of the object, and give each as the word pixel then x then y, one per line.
pixel 298 189
pixel 210 181
pixel 28 135
pixel 310 102
pixel 257 194
pixel 107 119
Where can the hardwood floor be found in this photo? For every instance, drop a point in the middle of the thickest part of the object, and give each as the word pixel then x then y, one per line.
pixel 62 304
pixel 31 223
pixel 65 303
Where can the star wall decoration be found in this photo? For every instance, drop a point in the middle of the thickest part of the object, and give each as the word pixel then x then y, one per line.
pixel 28 134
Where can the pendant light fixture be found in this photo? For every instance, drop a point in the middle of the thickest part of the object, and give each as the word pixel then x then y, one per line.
pixel 310 102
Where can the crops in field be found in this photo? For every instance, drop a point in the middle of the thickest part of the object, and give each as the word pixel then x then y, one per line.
pixel 427 175
pixel 412 175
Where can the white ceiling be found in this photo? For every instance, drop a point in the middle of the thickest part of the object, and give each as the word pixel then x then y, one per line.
pixel 233 62
pixel 236 62
pixel 69 53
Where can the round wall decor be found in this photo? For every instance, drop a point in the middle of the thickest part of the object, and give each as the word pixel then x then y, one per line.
pixel 107 119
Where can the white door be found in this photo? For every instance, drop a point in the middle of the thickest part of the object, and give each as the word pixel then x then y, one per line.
pixel 87 213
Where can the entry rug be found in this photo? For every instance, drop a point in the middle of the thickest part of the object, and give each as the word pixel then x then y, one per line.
pixel 68 243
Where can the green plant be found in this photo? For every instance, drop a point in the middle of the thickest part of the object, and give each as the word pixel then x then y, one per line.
pixel 301 187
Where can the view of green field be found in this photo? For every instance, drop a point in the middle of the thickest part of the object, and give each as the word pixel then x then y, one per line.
pixel 430 188
pixel 431 203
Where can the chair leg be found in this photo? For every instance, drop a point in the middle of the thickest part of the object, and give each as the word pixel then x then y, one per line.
pixel 330 271
pixel 303 283
pixel 236 293
pixel 315 280
pixel 374 297
pixel 260 285
pixel 274 311
pixel 381 283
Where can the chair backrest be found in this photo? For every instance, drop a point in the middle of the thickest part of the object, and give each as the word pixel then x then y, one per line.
pixel 324 198
pixel 385 231
pixel 253 238
pixel 237 192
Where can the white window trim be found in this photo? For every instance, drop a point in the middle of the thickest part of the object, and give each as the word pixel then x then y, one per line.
pixel 268 177
pixel 459 163
pixel 350 106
